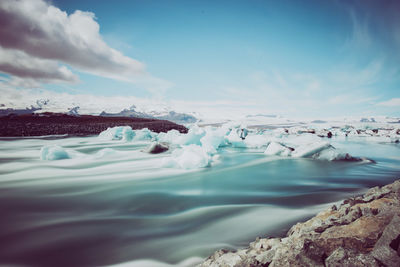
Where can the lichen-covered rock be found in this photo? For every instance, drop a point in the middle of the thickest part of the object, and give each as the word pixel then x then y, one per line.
pixel 350 258
pixel 387 248
pixel 362 231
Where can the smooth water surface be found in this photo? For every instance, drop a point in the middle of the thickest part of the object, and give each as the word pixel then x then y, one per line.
pixel 118 205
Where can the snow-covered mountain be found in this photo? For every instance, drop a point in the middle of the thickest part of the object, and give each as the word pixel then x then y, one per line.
pixel 40 103
pixel 173 116
pixel 131 112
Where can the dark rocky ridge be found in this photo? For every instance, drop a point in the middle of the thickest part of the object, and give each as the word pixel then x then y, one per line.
pixel 61 124
pixel 362 231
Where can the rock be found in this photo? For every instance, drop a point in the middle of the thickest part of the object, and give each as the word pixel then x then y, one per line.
pixel 350 258
pixel 222 258
pixel 362 231
pixel 375 193
pixel 156 148
pixel 387 248
pixel 360 235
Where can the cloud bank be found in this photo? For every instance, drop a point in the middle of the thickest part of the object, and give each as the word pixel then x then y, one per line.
pixel 37 36
pixel 394 102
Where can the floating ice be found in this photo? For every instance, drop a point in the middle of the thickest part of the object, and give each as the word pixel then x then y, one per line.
pixel 197 148
pixel 169 137
pixel 125 133
pixel 53 152
pixel 306 146
pixel 308 150
pixel 193 136
pixel 234 139
pixel 213 139
pixel 256 141
pixel 118 133
pixel 188 157
pixel 144 134
pixel 278 149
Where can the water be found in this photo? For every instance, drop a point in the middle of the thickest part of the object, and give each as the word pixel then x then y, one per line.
pixel 121 207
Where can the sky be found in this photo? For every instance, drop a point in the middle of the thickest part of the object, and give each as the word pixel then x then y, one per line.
pixel 292 58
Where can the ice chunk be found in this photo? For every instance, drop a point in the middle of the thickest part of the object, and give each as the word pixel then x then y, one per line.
pixel 127 134
pixel 193 136
pixel 278 149
pixel 256 141
pixel 144 134
pixel 169 137
pixel 307 150
pixel 234 139
pixel 53 153
pixel 213 139
pixel 118 133
pixel 332 154
pixel 188 157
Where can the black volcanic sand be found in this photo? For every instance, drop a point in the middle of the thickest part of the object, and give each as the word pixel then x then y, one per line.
pixel 61 124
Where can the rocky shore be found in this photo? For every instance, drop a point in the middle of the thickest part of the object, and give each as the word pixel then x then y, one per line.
pixel 362 231
pixel 61 124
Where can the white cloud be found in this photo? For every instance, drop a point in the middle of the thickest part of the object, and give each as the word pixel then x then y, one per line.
pixel 44 32
pixel 360 36
pixel 33 70
pixel 394 102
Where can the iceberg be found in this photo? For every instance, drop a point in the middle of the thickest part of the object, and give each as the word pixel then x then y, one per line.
pixel 125 133
pixel 188 157
pixel 256 141
pixel 193 136
pixel 53 152
pixel 200 145
pixel 306 146
pixel 144 134
pixel 277 149
pixel 118 133
pixel 234 139
pixel 310 149
pixel 170 137
pixel 213 139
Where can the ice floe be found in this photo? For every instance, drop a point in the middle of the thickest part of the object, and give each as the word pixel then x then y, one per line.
pixel 275 148
pixel 118 133
pixel 188 157
pixel 125 133
pixel 53 152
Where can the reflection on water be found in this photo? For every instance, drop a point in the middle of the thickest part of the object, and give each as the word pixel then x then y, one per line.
pixel 123 207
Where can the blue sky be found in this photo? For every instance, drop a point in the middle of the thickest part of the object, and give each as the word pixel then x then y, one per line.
pixel 294 58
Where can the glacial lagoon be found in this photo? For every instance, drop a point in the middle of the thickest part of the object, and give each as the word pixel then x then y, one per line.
pixel 105 201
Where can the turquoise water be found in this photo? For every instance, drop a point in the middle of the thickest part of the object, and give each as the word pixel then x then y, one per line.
pixel 119 206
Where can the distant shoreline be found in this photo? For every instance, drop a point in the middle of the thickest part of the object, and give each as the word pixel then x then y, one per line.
pixel 85 125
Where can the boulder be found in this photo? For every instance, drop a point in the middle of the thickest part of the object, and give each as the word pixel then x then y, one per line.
pixel 156 148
